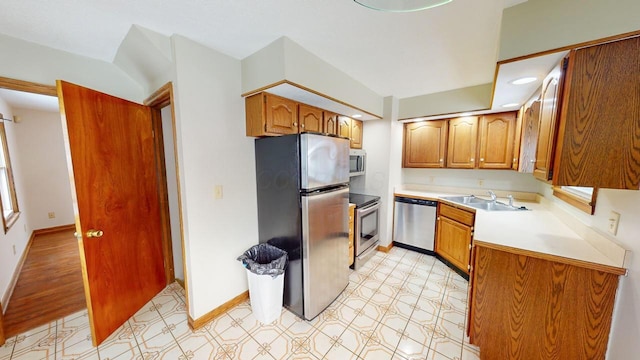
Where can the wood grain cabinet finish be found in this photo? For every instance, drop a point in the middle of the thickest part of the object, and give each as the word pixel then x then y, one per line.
pixel 356 134
pixel 463 136
pixel 548 124
pixel 310 118
pixel 599 142
pixel 524 307
pixel 344 127
pixel 270 115
pixel 330 123
pixel 425 144
pixel 497 137
pixel 529 137
pixel 453 236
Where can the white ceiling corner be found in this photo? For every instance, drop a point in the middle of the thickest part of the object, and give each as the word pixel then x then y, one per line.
pixel 404 55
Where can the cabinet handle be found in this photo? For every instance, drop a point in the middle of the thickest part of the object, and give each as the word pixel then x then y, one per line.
pixel 441 160
pixel 438 218
pixel 481 159
pixel 469 246
pixel 302 125
pixel 295 124
pixel 532 161
pixel 471 160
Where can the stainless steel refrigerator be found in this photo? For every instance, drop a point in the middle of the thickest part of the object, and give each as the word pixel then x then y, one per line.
pixel 303 200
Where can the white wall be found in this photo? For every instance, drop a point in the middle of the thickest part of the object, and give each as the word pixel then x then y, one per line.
pixel 540 25
pixel 213 149
pixel 490 179
pixel 381 140
pixel 42 158
pixel 31 62
pixel 18 234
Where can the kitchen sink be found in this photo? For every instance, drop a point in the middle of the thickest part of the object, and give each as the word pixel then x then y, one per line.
pixel 478 203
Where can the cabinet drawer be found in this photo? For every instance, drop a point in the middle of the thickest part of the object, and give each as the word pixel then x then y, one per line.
pixel 456 214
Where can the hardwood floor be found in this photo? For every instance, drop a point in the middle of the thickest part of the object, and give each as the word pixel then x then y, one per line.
pixel 50 283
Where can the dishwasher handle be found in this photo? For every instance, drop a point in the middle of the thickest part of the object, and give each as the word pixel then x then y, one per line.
pixel 412 201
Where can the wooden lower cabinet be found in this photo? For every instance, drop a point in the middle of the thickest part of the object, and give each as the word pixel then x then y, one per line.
pixel 525 307
pixel 453 236
pixel 352 210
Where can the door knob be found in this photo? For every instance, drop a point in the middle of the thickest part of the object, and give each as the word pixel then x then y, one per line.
pixel 94 233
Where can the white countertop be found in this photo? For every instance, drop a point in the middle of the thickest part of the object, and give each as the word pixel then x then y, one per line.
pixel 538 231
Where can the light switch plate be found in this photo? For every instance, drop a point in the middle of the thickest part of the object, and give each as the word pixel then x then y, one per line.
pixel 217 192
pixel 614 220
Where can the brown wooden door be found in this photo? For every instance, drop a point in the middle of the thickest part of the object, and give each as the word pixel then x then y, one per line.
pixel 281 115
pixel 356 134
pixel 463 136
pixel 330 125
pixel 111 146
pixel 310 118
pixel 425 143
pixel 344 127
pixel 497 135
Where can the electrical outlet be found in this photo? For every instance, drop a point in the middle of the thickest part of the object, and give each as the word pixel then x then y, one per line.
pixel 52 215
pixel 614 220
pixel 217 192
pixel 480 182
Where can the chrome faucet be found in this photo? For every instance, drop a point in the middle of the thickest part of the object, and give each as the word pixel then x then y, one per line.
pixel 510 200
pixel 493 195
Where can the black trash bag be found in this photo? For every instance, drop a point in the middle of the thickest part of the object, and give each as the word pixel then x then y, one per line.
pixel 264 259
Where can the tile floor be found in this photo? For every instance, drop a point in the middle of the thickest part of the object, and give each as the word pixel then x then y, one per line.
pixel 400 305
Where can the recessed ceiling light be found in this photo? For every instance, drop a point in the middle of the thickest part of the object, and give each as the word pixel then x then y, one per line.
pixel 510 105
pixel 401 5
pixel 524 80
pixel 356 116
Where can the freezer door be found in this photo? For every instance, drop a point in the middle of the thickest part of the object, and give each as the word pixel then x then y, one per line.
pixel 325 248
pixel 324 161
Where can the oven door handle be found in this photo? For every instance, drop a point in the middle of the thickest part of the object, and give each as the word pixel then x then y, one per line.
pixel 368 210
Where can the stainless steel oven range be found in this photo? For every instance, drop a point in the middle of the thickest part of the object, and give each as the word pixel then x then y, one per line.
pixel 367 227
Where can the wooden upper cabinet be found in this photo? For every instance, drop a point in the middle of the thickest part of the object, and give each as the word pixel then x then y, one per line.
pixel 599 141
pixel 497 136
pixel 330 123
pixel 310 118
pixel 463 134
pixel 548 124
pixel 529 137
pixel 425 144
pixel 356 134
pixel 344 127
pixel 269 115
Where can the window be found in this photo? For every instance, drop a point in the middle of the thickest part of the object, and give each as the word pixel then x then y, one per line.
pixel 583 198
pixel 9 203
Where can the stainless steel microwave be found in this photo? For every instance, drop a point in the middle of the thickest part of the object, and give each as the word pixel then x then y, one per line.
pixel 357 162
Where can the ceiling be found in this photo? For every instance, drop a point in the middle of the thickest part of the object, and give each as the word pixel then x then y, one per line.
pixel 399 54
pixel 25 100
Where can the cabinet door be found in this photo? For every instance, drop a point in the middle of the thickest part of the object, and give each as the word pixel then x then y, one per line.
pixel 600 144
pixel 529 138
pixel 344 127
pixel 463 134
pixel 425 143
pixel 356 134
pixel 310 118
pixel 497 133
pixel 330 123
pixel 547 128
pixel 454 242
pixel 281 115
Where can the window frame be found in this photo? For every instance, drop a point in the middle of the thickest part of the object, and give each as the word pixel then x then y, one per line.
pixel 10 219
pixel 581 203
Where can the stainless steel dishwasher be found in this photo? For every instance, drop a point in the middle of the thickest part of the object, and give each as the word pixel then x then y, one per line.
pixel 414 224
